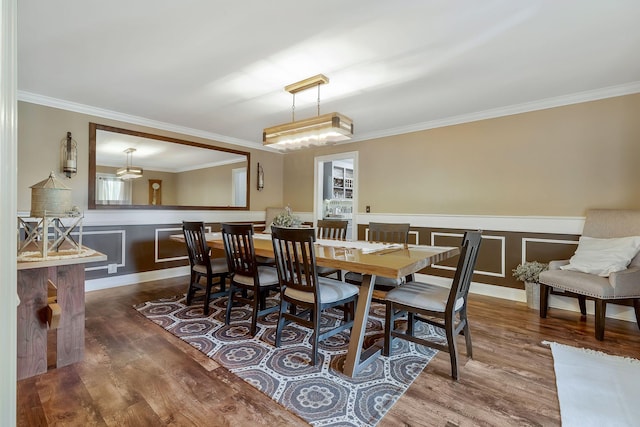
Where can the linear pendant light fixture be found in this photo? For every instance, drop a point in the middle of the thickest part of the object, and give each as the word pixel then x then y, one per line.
pixel 129 172
pixel 320 130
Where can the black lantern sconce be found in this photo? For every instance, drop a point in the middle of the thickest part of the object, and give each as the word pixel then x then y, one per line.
pixel 260 177
pixel 69 155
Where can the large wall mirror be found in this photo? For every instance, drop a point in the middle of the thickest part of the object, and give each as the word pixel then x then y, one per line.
pixel 137 170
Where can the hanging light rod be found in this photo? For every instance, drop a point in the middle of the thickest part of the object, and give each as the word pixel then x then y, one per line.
pixel 305 84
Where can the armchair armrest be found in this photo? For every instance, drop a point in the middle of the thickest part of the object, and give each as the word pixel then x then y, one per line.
pixel 555 265
pixel 626 282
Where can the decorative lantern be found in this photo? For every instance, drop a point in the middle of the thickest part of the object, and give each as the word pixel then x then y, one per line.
pixel 69 156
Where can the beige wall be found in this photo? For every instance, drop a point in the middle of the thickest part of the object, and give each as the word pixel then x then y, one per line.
pixel 556 162
pixel 40 130
pixel 211 186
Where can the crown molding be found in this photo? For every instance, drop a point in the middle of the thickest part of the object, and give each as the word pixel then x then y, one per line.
pixel 559 101
pixel 543 104
pixel 136 120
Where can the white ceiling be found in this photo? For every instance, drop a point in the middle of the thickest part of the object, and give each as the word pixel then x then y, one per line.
pixel 218 68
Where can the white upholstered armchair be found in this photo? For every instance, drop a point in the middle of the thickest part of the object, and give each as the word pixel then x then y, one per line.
pixel 605 267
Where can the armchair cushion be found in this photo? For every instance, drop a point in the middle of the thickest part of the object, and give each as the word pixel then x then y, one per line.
pixel 603 256
pixel 576 281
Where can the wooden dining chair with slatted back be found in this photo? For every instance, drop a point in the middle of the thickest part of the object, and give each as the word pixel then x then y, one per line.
pixel 383 232
pixel 302 288
pixel 214 270
pixel 251 282
pixel 436 305
pixel 333 230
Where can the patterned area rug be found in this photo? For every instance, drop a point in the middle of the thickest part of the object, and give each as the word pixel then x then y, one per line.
pixel 320 394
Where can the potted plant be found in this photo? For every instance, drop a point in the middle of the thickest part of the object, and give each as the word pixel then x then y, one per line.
pixel 528 273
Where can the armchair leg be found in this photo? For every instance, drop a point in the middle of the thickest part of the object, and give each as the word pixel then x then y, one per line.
pixel 544 299
pixel 601 308
pixel 636 307
pixel 582 302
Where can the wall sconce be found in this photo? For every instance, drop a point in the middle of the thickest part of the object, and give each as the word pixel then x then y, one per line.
pixel 69 155
pixel 260 177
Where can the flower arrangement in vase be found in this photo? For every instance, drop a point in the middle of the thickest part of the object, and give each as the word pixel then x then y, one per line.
pixel 286 219
pixel 528 272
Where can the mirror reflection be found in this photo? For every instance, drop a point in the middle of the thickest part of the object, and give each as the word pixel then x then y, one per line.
pixel 130 169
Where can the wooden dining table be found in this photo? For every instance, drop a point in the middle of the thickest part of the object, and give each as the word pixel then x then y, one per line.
pixel 368 259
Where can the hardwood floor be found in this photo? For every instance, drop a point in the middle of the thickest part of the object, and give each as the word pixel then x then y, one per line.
pixel 134 374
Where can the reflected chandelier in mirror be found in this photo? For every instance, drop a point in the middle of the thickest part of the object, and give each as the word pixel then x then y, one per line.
pixel 193 175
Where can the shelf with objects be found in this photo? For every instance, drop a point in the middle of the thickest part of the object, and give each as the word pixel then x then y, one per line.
pixel 342 179
pixel 338 187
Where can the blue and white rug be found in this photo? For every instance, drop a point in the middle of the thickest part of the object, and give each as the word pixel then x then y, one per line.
pixel 320 394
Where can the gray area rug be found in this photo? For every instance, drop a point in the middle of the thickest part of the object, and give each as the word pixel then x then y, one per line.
pixel 320 394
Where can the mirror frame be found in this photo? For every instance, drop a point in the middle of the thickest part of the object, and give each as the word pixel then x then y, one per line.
pixel 94 127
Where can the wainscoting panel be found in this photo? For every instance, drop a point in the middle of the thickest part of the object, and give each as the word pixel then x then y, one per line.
pixel 500 253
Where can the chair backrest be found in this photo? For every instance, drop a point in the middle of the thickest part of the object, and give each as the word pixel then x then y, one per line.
pixel 197 249
pixel 612 223
pixel 464 271
pixel 238 247
pixel 388 232
pixel 332 229
pixel 295 259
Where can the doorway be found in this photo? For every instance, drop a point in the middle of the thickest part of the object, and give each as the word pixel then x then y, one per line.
pixel 336 189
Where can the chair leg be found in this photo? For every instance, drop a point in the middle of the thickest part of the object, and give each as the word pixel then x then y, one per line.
pixel 192 288
pixel 388 327
pixel 207 295
pixel 453 348
pixel 254 316
pixel 582 302
pixel 227 316
pixel 411 323
pixel 283 308
pixel 223 283
pixel 263 300
pixel 636 307
pixel 316 336
pixel 601 309
pixel 466 332
pixel 544 299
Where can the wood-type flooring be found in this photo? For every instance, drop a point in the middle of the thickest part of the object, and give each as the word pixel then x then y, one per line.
pixel 136 374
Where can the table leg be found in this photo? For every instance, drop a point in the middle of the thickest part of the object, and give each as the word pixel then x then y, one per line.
pixel 357 359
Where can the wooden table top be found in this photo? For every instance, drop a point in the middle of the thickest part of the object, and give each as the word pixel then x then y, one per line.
pixel 87 255
pixel 396 261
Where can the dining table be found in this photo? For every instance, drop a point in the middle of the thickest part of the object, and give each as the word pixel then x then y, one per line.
pixel 370 259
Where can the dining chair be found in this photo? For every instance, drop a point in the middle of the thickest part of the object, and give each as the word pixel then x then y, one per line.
pixel 246 274
pixel 301 287
pixel 332 230
pixel 436 305
pixel 383 232
pixel 202 265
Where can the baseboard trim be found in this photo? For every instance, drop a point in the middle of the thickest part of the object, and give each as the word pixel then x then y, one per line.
pixel 132 279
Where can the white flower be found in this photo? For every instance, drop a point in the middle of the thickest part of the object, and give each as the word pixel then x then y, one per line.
pixel 529 271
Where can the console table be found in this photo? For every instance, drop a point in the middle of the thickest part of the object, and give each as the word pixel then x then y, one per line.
pixel 68 275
